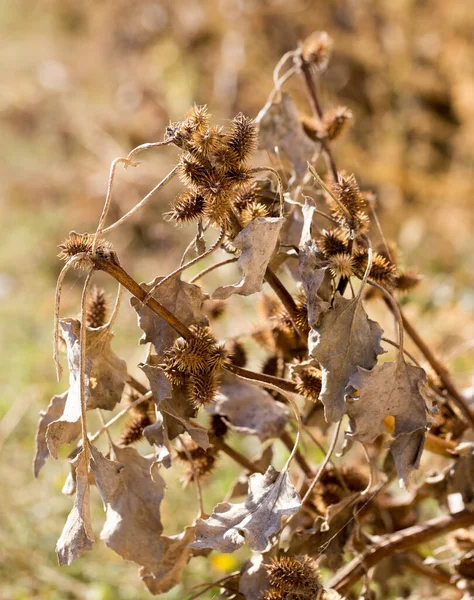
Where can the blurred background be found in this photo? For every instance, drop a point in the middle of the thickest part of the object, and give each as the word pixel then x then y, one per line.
pixel 85 82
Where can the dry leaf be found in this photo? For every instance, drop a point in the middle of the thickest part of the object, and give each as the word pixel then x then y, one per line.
pixel 52 413
pixel 345 339
pixel 257 241
pixel 281 131
pixel 176 555
pixel 183 299
pixel 133 525
pixel 271 496
pixel 329 535
pixel 312 270
pixel 64 430
pixel 241 486
pixel 104 382
pixel 77 536
pixel 254 579
pixel 173 405
pixel 249 409
pixel 107 475
pixel 393 389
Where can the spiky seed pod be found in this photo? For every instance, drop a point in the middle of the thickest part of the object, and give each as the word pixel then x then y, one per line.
pixel 198 118
pixel 218 197
pixel 96 308
pixel 252 211
pixel 238 177
pixel 388 251
pixel 176 376
pixel 336 121
pixel 465 566
pixel 237 353
pixel 308 383
pixel 202 387
pixel 301 315
pixel 273 595
pixel 335 485
pixel 189 206
pixel 218 426
pixel 405 281
pixel 244 196
pixel 242 137
pixel 192 171
pixel 341 265
pixel 133 430
pixel 382 271
pixel 313 128
pixel 205 142
pixel 331 242
pixel 196 355
pixel 349 195
pixel 294 575
pixel 224 159
pixel 81 243
pixel 204 461
pixel 317 50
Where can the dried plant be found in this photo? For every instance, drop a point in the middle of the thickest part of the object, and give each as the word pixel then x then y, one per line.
pixel 320 345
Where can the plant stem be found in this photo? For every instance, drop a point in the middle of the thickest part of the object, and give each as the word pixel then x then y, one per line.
pixel 299 458
pixel 317 109
pixel 116 271
pixel 395 542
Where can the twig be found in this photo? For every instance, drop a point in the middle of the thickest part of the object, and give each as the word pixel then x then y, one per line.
pixel 182 268
pixel 228 261
pixel 395 542
pixel 119 415
pixel 195 477
pixel 299 458
pixel 116 271
pixel 142 203
pixel 148 146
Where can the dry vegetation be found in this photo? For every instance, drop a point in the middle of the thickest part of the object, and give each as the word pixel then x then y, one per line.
pixel 88 83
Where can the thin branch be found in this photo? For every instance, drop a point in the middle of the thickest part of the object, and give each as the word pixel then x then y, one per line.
pixel 195 477
pixel 401 540
pixel 148 146
pixel 228 261
pixel 82 365
pixel 299 458
pixel 182 268
pixel 119 415
pixel 116 271
pixel 142 203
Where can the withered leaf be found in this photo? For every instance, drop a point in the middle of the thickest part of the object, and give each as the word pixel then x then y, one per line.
pixel 344 340
pixel 254 579
pixel 393 389
pixel 249 409
pixel 241 486
pixel 281 130
pixel 104 382
pixel 271 496
pixel 312 270
pixel 106 474
pixel 183 299
pixel 133 526
pixel 64 430
pixel 176 555
pixel 53 412
pixel 175 408
pixel 329 535
pixel 77 536
pixel 257 241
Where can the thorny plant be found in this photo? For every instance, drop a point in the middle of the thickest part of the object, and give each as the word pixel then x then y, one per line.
pixel 322 364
